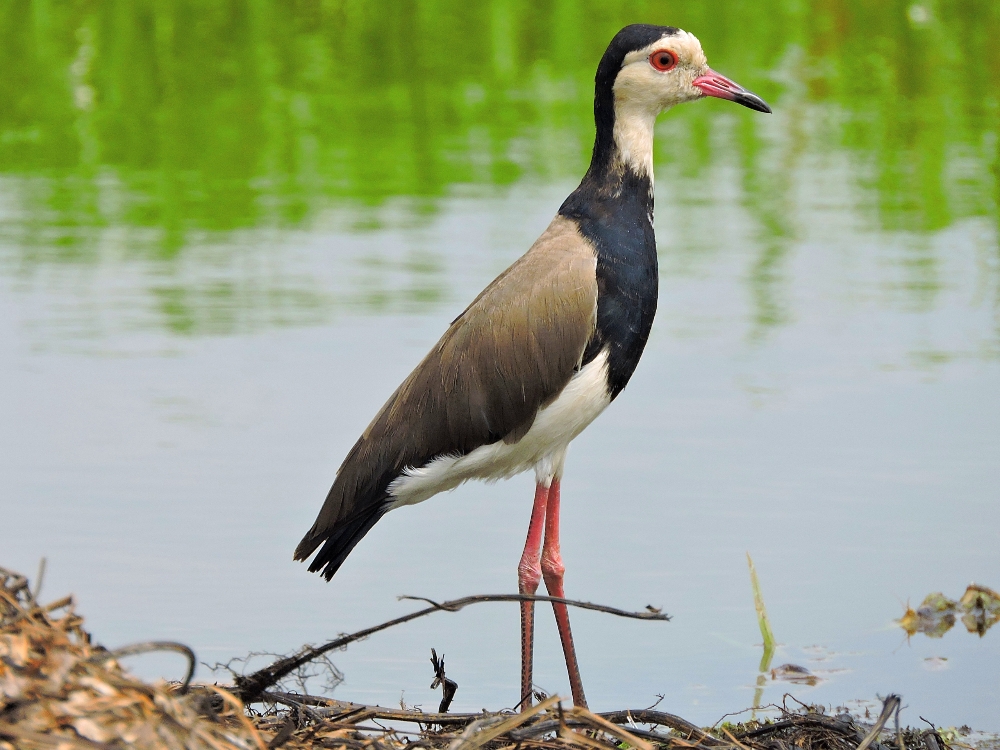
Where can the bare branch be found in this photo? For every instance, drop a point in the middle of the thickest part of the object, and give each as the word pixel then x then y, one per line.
pixel 149 647
pixel 249 687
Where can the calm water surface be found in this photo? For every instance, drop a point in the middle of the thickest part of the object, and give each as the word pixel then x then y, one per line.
pixel 226 236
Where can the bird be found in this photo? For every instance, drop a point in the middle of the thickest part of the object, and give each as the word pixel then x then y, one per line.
pixel 544 349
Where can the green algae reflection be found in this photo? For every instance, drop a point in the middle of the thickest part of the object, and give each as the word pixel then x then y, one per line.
pixel 168 124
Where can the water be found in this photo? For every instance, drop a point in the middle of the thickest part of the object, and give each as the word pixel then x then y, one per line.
pixel 225 237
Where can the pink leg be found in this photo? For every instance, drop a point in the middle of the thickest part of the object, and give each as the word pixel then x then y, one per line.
pixel 552 570
pixel 529 573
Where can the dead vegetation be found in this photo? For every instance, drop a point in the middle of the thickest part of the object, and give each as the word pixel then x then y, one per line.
pixel 979 610
pixel 299 722
pixel 60 690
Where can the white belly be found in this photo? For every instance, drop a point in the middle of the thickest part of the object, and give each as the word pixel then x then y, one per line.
pixel 543 448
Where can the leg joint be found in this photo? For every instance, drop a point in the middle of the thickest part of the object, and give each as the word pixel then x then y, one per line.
pixel 529 575
pixel 552 566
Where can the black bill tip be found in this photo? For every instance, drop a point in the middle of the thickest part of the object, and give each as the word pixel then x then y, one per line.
pixel 752 101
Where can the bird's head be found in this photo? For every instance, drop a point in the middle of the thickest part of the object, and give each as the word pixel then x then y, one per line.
pixel 654 74
pixel 646 70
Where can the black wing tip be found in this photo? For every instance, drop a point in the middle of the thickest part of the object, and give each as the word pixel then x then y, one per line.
pixel 325 567
pixel 321 563
pixel 307 546
pixel 337 542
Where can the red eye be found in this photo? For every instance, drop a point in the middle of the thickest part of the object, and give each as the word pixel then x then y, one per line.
pixel 663 59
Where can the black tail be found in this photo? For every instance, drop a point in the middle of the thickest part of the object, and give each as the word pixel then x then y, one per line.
pixel 339 541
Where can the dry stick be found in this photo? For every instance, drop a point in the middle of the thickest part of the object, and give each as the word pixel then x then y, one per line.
pixel 512 722
pixel 662 718
pixel 448 686
pixel 470 730
pixel 66 601
pixel 284 734
pixel 311 713
pixel 543 727
pixel 802 721
pixel 576 739
pixel 454 605
pixel 736 742
pixel 613 729
pixel 148 647
pixel 248 688
pixel 890 705
pixel 242 716
pixel 39 579
pixel 341 710
pixel 342 720
pixel 40 739
pixel 344 708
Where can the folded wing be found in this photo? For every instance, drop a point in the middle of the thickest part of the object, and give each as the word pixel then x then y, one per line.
pixel 508 354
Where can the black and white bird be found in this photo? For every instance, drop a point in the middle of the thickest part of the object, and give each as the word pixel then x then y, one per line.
pixel 545 348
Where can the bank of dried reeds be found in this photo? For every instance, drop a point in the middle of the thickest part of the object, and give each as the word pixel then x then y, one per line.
pixel 60 690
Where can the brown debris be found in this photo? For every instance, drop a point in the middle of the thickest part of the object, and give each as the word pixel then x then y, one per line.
pixel 551 725
pixel 448 686
pixel 934 617
pixel 795 674
pixel 60 690
pixel 979 608
pixel 982 609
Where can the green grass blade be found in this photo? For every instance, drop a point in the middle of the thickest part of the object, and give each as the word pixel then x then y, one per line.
pixel 762 619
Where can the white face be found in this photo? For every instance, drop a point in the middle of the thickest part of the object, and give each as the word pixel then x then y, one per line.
pixel 659 76
pixel 670 71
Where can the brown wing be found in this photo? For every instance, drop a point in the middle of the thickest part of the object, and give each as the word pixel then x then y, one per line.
pixel 509 353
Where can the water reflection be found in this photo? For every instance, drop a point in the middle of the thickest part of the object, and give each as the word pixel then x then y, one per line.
pixel 166 127
pixel 819 386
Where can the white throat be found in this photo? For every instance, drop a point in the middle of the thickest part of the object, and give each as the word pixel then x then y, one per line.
pixel 634 137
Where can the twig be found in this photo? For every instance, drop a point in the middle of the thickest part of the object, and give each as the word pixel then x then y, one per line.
pixel 663 719
pixel 249 687
pixel 149 647
pixel 66 601
pixel 284 734
pixel 931 739
pixel 457 604
pixel 611 728
pixel 448 686
pixel 542 727
pixel 512 722
pixel 310 712
pixel 890 705
pixel 343 711
pixel 43 739
pixel 39 579
pixel 811 720
pixel 659 700
pixel 470 731
pixel 736 742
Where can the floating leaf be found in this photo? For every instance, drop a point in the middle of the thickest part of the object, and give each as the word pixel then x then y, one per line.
pixel 794 673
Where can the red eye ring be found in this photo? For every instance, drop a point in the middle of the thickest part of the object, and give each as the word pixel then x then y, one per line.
pixel 663 60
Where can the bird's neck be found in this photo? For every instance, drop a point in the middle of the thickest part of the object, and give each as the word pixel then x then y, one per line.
pixel 632 140
pixel 621 167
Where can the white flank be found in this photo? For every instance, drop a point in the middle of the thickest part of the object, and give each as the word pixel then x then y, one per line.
pixel 543 448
